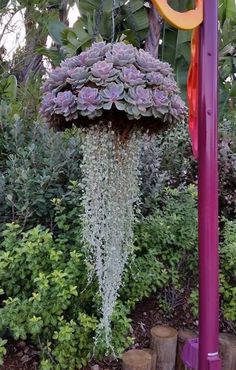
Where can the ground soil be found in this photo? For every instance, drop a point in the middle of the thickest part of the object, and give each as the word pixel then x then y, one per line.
pixel 22 356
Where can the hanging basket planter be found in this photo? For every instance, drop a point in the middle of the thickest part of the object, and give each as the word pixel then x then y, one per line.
pixel 118 95
pixel 114 78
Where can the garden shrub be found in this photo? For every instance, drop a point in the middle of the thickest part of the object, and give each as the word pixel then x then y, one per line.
pixel 168 238
pixel 37 166
pixel 228 272
pixel 174 166
pixel 227 275
pixel 47 297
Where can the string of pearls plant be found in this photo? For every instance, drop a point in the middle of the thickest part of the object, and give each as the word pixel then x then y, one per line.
pixel 115 93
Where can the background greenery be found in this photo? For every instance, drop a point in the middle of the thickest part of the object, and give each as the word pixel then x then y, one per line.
pixel 45 293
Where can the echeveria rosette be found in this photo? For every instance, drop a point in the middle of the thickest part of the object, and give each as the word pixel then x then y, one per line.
pixel 66 104
pixel 103 72
pixel 160 103
pixel 146 62
pixel 78 77
pixel 169 85
pixel 113 94
pixel 56 80
pixel 177 107
pixel 112 76
pixel 89 102
pixel 139 102
pixel 47 106
pixel 121 54
pixel 131 76
pixel 155 79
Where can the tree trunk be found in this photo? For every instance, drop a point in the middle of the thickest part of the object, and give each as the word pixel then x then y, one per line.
pixel 136 359
pixel 154 358
pixel 164 343
pixel 228 351
pixel 155 27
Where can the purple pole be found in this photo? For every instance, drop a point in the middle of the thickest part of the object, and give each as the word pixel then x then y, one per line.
pixel 208 192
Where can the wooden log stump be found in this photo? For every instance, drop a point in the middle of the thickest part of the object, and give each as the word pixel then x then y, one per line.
pixel 183 336
pixel 136 359
pixel 154 358
pixel 228 351
pixel 164 343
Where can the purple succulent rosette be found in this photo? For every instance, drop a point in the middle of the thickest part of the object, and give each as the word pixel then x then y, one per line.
pixel 112 76
pixel 89 102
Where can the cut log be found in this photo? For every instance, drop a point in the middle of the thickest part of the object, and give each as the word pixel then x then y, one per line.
pixel 164 343
pixel 154 358
pixel 228 351
pixel 183 336
pixel 136 359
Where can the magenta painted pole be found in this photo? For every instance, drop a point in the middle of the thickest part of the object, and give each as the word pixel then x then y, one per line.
pixel 208 192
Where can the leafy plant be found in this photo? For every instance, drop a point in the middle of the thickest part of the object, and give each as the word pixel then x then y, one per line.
pixel 168 239
pixel 3 351
pixel 37 166
pixel 228 275
pixel 47 294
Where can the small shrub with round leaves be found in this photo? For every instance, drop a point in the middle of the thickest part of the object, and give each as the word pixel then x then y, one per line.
pixel 109 77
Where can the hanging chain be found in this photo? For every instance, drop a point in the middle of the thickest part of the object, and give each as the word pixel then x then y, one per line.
pixel 113 20
pixel 98 19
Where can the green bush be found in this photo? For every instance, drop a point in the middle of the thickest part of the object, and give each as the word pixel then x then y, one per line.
pixel 171 231
pixel 47 296
pixel 166 252
pixel 37 165
pixel 228 272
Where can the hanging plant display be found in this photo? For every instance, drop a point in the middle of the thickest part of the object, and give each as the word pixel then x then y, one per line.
pixel 119 96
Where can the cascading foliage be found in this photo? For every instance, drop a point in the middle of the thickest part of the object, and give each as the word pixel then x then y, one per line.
pixel 116 94
pixel 110 186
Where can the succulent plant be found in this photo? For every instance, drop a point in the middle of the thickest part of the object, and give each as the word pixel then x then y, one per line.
pixel 161 103
pixel 113 94
pixel 170 86
pixel 89 102
pixel 139 99
pixel 155 79
pixel 108 76
pixel 132 76
pixel 103 72
pixel 66 104
pixel 47 106
pixel 56 80
pixel 78 76
pixel 177 106
pixel 146 62
pixel 71 62
pixel 121 54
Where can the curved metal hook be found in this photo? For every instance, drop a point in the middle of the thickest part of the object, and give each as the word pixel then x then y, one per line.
pixel 184 21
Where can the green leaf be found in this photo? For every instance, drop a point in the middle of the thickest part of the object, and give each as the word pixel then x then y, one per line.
pixel 55 29
pixel 233 90
pixel 230 9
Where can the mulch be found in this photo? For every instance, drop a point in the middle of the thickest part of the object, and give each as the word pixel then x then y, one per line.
pixel 23 356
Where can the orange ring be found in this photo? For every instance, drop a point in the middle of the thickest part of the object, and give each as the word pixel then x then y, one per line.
pixel 184 21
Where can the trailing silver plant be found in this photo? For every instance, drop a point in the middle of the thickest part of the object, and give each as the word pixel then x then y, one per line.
pixel 110 191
